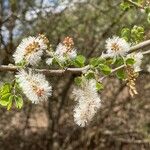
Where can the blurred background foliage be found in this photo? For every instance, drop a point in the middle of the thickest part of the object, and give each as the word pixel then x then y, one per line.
pixel 122 122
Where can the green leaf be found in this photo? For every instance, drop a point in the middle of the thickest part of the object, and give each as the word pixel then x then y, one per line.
pixel 130 61
pixel 78 80
pixel 148 17
pixel 5 96
pixel 6 88
pixel 99 86
pixel 119 61
pixel 90 75
pixel 137 34
pixel 5 99
pixel 96 61
pixel 105 69
pixel 19 101
pixel 110 61
pixel 4 102
pixel 147 9
pixel 125 33
pixel 10 102
pixel 120 74
pixel 134 35
pixel 125 6
pixel 79 61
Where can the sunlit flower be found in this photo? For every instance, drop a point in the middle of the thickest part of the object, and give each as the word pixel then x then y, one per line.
pixel 34 86
pixel 138 60
pixel 116 46
pixel 65 50
pixel 88 102
pixel 30 50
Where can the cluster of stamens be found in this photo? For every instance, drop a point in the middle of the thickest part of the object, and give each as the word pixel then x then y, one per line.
pixel 115 47
pixel 131 79
pixel 32 47
pixel 44 38
pixel 38 91
pixel 68 42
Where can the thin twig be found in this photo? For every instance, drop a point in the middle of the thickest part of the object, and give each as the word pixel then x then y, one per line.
pixel 135 4
pixel 146 52
pixel 113 70
pixel 131 141
pixel 139 46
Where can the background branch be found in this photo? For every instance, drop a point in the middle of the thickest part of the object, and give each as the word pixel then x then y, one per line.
pixel 135 4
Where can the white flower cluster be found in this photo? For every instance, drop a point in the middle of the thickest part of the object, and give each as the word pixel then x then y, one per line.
pixel 116 46
pixel 64 51
pixel 88 102
pixel 34 86
pixel 37 89
pixel 138 60
pixel 30 50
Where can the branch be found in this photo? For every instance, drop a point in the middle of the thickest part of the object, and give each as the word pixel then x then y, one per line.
pixel 146 52
pixel 122 66
pixel 74 70
pixel 47 71
pixel 113 70
pixel 114 135
pixel 131 141
pixel 139 46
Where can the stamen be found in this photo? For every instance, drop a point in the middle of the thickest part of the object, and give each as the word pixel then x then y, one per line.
pixel 68 42
pixel 39 92
pixel 31 48
pixel 44 38
pixel 115 47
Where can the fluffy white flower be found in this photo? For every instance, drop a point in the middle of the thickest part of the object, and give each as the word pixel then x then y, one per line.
pixel 88 102
pixel 138 60
pixel 62 53
pixel 65 50
pixel 30 50
pixel 34 86
pixel 116 46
